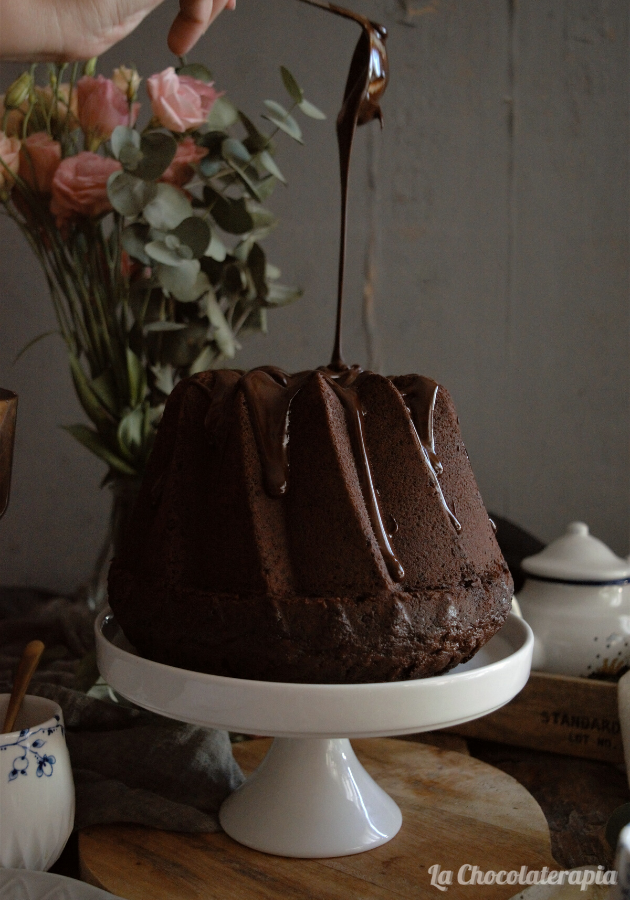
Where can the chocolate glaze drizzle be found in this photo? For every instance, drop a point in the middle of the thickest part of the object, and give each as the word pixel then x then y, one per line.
pixel 269 391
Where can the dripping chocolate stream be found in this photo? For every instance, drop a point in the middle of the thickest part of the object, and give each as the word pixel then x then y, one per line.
pixel 366 83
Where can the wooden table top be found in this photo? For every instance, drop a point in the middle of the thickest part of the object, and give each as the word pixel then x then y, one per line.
pixel 457 810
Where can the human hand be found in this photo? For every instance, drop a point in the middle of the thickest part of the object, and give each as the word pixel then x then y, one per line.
pixel 62 30
pixel 193 19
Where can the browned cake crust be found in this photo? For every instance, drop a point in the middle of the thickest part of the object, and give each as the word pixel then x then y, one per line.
pixel 220 575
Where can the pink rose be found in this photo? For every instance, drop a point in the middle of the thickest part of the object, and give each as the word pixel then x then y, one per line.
pixel 181 169
pixel 180 102
pixel 102 106
pixel 10 156
pixel 80 185
pixel 39 159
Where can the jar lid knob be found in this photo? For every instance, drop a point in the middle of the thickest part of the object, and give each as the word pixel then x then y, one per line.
pixel 580 528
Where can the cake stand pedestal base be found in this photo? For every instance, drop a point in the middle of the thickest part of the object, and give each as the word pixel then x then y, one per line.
pixel 321 784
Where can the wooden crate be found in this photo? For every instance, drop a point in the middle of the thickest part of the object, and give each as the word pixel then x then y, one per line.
pixel 560 713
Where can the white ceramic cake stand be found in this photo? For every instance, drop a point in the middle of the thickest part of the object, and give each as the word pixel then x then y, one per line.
pixel 311 797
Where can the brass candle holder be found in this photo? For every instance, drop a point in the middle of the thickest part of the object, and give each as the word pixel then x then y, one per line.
pixel 8 411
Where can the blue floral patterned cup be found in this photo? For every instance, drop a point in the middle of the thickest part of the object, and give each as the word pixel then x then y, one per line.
pixel 36 787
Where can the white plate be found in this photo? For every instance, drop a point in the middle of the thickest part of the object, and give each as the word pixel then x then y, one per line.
pixel 18 884
pixel 491 679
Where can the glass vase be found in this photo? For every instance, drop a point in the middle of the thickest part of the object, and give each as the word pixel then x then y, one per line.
pixel 124 491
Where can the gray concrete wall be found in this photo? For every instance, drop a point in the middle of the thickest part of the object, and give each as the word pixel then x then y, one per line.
pixel 489 241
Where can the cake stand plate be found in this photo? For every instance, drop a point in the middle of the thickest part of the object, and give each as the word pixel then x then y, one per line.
pixel 311 797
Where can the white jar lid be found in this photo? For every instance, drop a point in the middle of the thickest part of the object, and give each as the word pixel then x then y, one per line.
pixel 577 556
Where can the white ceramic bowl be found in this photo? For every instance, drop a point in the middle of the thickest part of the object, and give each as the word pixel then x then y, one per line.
pixel 36 787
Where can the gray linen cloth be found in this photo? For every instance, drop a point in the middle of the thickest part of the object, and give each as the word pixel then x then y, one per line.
pixel 129 765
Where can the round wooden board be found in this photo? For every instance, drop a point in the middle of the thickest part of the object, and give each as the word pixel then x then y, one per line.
pixel 456 810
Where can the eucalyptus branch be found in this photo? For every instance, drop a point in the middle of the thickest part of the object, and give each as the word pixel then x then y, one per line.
pixel 132 333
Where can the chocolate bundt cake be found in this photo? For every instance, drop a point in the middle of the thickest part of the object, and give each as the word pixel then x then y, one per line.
pixel 320 527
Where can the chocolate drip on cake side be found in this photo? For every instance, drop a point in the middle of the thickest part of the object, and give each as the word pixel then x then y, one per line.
pixel 420 394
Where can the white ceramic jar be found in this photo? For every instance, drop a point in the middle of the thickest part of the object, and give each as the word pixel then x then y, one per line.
pixel 36 787
pixel 576 598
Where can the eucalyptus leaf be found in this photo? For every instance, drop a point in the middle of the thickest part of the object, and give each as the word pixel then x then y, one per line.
pixel 230 215
pixel 265 187
pixel 311 111
pixel 94 443
pixel 257 264
pixel 222 115
pixel 293 89
pixel 216 248
pixel 261 217
pixel 213 141
pixel 272 272
pixel 242 250
pixel 235 151
pixel 137 378
pixel 159 251
pixel 234 279
pixel 164 378
pixel 283 119
pixel 249 177
pixel 104 387
pixel 129 195
pixel 256 321
pixel 210 168
pixel 250 127
pixel 282 294
pixel 158 151
pixel 130 157
pixel 203 361
pixel 123 136
pixel 168 208
pixel 222 333
pixel 181 348
pixel 267 160
pixel 194 233
pixel 185 282
pixel 255 140
pixel 130 433
pixel 196 70
pixel 134 238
